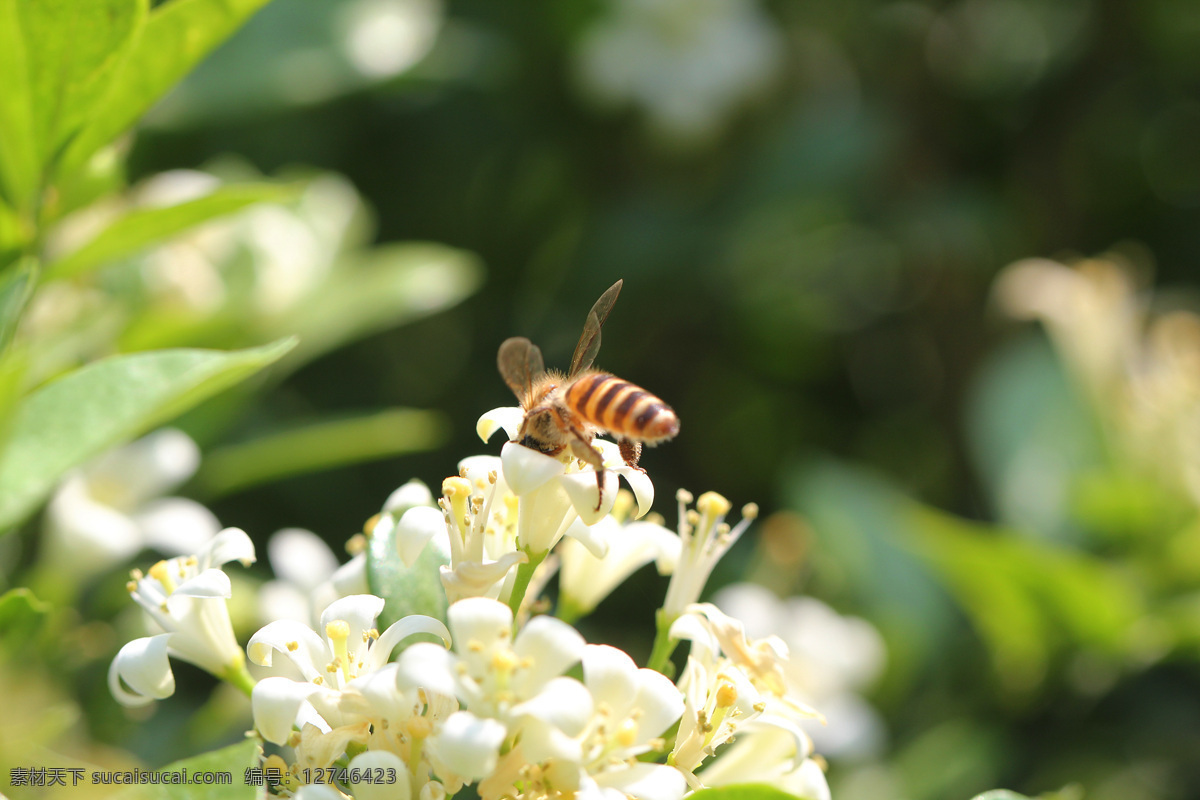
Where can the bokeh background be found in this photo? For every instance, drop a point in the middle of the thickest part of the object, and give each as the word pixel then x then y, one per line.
pixel 809 203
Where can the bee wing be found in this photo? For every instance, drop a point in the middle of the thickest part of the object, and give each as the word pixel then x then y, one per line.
pixel 520 363
pixel 589 342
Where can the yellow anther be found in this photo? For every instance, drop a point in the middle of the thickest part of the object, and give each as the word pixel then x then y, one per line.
pixel 356 544
pixel 333 666
pixel 161 573
pixel 492 476
pixel 293 646
pixel 627 733
pixel 319 680
pixel 369 525
pixel 504 660
pixel 136 574
pixel 131 587
pixel 475 646
pixel 750 511
pixel 713 504
pixel 684 496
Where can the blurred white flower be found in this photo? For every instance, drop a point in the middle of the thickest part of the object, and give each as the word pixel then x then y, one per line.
pixel 382 38
pixel 307 577
pixel 687 64
pixel 830 659
pixel 105 512
pixel 185 599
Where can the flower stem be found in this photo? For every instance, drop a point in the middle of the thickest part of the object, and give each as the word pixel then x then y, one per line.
pixel 240 677
pixel 524 575
pixel 664 646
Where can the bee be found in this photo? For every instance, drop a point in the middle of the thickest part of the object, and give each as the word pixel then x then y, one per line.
pixel 564 413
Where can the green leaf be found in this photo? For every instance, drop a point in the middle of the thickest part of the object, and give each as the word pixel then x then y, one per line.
pixel 19 163
pixel 76 45
pixel 21 617
pixel 743 791
pixel 388 286
pixel 406 590
pixel 232 761
pixel 16 287
pixel 320 446
pixel 145 227
pixel 174 38
pixel 107 403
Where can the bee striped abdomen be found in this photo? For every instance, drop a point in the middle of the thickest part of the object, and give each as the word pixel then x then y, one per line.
pixel 622 408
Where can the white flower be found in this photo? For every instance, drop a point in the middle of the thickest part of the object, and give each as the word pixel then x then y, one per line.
pixel 185 598
pixel 110 509
pixel 351 650
pixel 308 577
pixel 767 755
pixel 705 539
pixel 506 685
pixel 732 684
pixel 831 657
pixel 688 64
pixel 586 579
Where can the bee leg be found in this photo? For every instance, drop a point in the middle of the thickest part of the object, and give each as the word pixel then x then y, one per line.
pixel 582 449
pixel 631 451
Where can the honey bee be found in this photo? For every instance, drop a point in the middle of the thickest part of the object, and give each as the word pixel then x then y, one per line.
pixel 564 413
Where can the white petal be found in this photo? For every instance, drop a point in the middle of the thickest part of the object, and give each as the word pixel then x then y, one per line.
pixel 477 470
pixel 415 529
pixel 646 781
pixel 310 653
pixel 359 611
pixel 142 664
pixel 176 525
pixel 350 578
pixel 209 583
pixel 151 466
pixel 809 782
pixel 276 702
pixel 301 557
pixel 468 745
pixel 565 703
pixel 87 537
pixel 426 666
pixel 660 701
pixel 478 619
pixel 551 645
pixel 412 494
pixel 584 491
pixel 526 469
pixel 509 418
pixel 365 764
pixel 400 630
pixel 611 676
pixel 593 537
pixel 231 544
pixel 642 486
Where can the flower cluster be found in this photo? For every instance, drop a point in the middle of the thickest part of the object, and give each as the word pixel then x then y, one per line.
pixel 485 690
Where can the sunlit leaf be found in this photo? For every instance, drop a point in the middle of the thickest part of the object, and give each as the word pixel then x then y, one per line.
pixel 145 227
pixel 19 163
pixel 231 762
pixel 77 46
pixel 175 37
pixel 107 403
pixel 320 446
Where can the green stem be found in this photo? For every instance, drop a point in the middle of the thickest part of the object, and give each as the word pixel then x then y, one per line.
pixel 240 677
pixel 524 575
pixel 664 646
